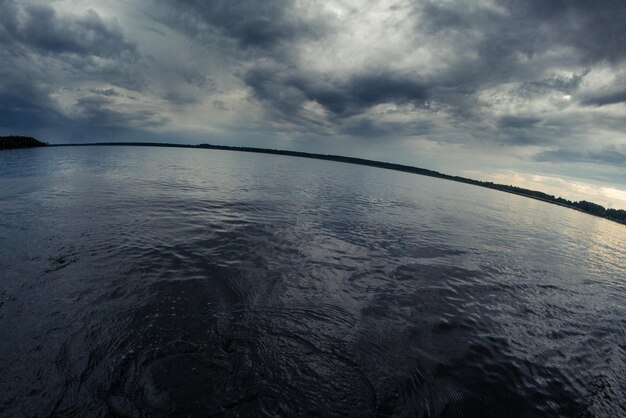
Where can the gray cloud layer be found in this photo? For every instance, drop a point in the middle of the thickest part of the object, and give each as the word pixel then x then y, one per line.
pixel 530 82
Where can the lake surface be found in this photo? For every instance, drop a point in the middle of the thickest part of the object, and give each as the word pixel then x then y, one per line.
pixel 141 281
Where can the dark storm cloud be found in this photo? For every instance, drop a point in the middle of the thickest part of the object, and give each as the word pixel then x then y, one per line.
pixel 364 91
pixel 25 105
pixel 35 37
pixel 196 78
pixel 529 27
pixel 288 90
pixel 533 74
pixel 554 83
pixel 178 98
pixel 506 43
pixel 272 29
pixel 257 24
pixel 38 27
pixel 99 112
pixel 105 92
pixel 605 98
pixel 609 155
pixel 516 122
pixel 42 50
pixel 24 109
pixel 596 28
pixel 520 131
pixel 491 46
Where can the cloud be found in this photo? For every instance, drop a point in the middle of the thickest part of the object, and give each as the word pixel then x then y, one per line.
pixel 342 98
pixel 38 27
pixel 44 51
pixel 517 122
pixel 611 156
pixel 605 98
pixel 523 29
pixel 180 98
pixel 571 189
pixel 105 92
pixel 532 83
pixel 250 23
pixel 99 112
pixel 24 104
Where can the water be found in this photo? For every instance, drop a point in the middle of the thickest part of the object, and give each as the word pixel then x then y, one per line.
pixel 176 282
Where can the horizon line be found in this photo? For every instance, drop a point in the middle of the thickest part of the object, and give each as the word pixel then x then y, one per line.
pixel 590 208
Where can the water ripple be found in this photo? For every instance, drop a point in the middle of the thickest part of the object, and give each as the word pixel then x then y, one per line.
pixel 167 283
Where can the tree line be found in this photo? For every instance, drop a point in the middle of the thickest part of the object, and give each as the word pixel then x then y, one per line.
pixel 16 141
pixel 617 215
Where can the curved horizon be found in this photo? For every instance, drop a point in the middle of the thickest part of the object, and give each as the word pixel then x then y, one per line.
pixel 519 92
pixel 619 216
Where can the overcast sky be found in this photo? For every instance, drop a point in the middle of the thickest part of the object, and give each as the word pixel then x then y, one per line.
pixel 525 92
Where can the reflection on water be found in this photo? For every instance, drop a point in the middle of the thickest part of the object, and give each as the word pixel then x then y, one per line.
pixel 169 282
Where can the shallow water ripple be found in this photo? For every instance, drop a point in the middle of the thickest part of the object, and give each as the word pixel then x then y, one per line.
pixel 168 282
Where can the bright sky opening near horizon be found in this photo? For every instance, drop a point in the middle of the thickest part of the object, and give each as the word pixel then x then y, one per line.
pixel 530 93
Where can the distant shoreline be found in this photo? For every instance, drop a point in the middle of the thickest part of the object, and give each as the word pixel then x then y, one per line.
pixel 615 215
pixel 16 142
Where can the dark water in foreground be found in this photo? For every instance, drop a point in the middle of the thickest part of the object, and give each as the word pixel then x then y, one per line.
pixel 169 282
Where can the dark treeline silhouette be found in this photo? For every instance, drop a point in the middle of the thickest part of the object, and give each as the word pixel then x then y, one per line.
pixel 617 215
pixel 14 141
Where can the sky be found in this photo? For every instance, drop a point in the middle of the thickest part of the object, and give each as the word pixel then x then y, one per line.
pixel 523 92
